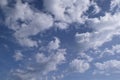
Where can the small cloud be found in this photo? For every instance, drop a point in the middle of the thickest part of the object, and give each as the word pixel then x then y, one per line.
pixel 78 65
pixel 54 44
pixel 3 3
pixel 110 66
pixel 18 56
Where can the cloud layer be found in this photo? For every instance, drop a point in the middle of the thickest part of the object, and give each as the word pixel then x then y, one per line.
pixel 49 54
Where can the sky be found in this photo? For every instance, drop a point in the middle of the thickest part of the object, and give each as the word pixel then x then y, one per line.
pixel 59 39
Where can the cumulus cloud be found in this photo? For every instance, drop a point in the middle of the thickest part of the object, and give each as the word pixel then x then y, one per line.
pixel 3 3
pixel 97 9
pixel 115 5
pixel 61 25
pixel 110 66
pixel 85 57
pixel 18 56
pixel 90 40
pixel 103 31
pixel 55 44
pixel 40 65
pixel 55 60
pixel 59 77
pixel 27 42
pixel 26 22
pixel 67 11
pixel 83 37
pixel 115 50
pixel 78 65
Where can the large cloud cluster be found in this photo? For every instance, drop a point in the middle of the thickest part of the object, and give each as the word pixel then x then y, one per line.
pixel 27 22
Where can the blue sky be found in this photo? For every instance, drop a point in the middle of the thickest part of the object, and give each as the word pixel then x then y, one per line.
pixel 59 39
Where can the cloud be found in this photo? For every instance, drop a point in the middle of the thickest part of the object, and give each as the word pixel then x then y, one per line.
pixel 27 42
pixel 40 65
pixel 27 22
pixel 110 66
pixel 104 27
pixel 78 65
pixel 3 3
pixel 103 31
pixel 85 57
pixel 55 44
pixel 90 40
pixel 67 11
pixel 97 9
pixel 55 60
pixel 61 25
pixel 59 77
pixel 18 56
pixel 115 50
pixel 83 37
pixel 115 5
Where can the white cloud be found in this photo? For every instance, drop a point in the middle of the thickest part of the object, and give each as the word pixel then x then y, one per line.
pixel 85 57
pixel 3 3
pixel 103 31
pixel 55 44
pixel 67 11
pixel 83 37
pixel 54 61
pixel 40 65
pixel 27 22
pixel 27 42
pixel 58 77
pixel 97 9
pixel 115 50
pixel 110 66
pixel 78 65
pixel 115 4
pixel 61 25
pixel 41 58
pixel 106 27
pixel 18 56
pixel 90 40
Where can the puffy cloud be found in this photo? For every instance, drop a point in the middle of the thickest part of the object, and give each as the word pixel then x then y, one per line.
pixel 41 58
pixel 97 9
pixel 67 11
pixel 26 22
pixel 103 31
pixel 3 3
pixel 55 44
pixel 115 4
pixel 78 65
pixel 18 56
pixel 54 61
pixel 104 27
pixel 83 37
pixel 116 48
pixel 61 25
pixel 27 42
pixel 57 77
pixel 110 66
pixel 40 65
pixel 112 51
pixel 90 40
pixel 85 57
